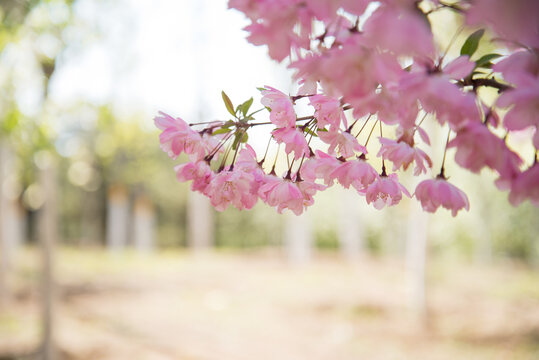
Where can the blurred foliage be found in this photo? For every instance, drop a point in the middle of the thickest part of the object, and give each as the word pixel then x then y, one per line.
pixel 327 239
pixel 248 229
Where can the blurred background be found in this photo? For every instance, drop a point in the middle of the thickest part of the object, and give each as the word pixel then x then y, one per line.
pixel 104 255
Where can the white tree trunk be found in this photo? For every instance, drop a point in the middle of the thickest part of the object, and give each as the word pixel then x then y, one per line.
pixel 4 245
pixel 143 225
pixel 117 218
pixel 11 219
pixel 416 257
pixel 349 229
pixel 200 222
pixel 298 238
pixel 47 237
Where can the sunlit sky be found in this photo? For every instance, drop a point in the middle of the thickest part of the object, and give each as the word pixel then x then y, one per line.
pixel 174 56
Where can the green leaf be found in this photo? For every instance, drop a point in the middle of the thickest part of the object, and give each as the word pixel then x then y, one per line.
pixel 484 61
pixel 472 42
pixel 236 141
pixel 261 89
pixel 244 138
pixel 228 103
pixel 222 130
pixel 246 106
pixel 239 137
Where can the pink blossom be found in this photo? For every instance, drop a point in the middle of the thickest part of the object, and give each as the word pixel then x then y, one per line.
pixel 403 32
pixel 328 111
pixel 282 110
pixel 400 153
pixel 434 193
pixel 357 172
pixel 515 20
pixel 308 190
pixel 439 95
pixel 321 166
pixel 390 106
pixel 459 68
pixel 307 87
pixel 526 186
pixel 246 162
pixel 520 68
pixel 356 7
pixel 178 137
pixel 284 194
pixel 351 69
pixel 385 190
pixel 478 147
pixel 345 142
pixel 525 107
pixel 294 141
pixel 275 24
pixel 199 172
pixel 231 188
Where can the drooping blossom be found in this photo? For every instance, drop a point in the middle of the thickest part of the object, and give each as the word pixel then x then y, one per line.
pixel 177 137
pixel 357 172
pixel 346 144
pixel 437 94
pixel 385 191
pixel 308 190
pixel 521 69
pixel 478 147
pixel 282 110
pixel 380 63
pixel 399 30
pixel 294 141
pixel 516 21
pixel 321 166
pixel 459 68
pixel 198 171
pixel 275 24
pixel 433 193
pixel 246 162
pixel 526 186
pixel 232 188
pixel 328 111
pixel 400 153
pixel 331 69
pixel 283 194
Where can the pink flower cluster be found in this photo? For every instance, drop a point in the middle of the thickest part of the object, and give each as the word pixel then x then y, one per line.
pixel 380 61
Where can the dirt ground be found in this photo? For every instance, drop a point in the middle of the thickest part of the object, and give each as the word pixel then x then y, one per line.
pixel 246 306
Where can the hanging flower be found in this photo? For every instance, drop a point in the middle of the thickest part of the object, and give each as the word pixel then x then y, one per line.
pixel 434 193
pixel 386 190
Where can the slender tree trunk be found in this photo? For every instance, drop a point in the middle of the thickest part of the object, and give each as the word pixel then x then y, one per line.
pixel 350 231
pixel 4 246
pixel 117 218
pixel 298 238
pixel 416 257
pixel 91 220
pixel 200 222
pixel 143 225
pixel 47 238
